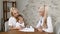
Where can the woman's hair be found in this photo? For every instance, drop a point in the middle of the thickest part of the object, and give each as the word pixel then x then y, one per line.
pixel 20 16
pixel 12 10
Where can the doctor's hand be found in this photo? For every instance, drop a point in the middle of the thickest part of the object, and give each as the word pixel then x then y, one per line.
pixel 40 30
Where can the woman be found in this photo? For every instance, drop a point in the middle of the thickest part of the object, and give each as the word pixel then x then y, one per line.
pixel 12 20
pixel 45 22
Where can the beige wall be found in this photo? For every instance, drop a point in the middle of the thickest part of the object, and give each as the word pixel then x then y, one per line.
pixel 29 9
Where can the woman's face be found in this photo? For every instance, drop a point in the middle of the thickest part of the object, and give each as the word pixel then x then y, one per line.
pixel 41 12
pixel 15 13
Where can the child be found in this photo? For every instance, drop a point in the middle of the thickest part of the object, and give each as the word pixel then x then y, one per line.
pixel 20 22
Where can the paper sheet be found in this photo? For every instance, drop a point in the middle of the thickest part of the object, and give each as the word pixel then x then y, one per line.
pixel 31 29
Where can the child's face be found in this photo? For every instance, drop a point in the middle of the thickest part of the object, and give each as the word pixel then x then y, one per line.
pixel 20 19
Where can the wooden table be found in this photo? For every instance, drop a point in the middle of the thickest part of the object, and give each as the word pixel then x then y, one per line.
pixel 19 32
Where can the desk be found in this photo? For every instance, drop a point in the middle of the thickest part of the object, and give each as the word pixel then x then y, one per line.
pixel 19 32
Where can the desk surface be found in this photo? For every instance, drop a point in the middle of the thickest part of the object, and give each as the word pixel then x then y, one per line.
pixel 19 32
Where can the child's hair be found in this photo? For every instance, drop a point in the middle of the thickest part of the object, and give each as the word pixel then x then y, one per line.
pixel 19 16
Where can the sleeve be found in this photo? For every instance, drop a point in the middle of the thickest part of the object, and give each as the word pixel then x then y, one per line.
pixel 38 25
pixel 49 25
pixel 12 22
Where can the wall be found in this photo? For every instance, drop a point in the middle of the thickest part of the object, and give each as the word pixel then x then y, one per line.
pixel 30 14
pixel 1 11
pixel 29 9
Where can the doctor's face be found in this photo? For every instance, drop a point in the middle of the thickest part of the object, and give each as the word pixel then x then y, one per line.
pixel 41 12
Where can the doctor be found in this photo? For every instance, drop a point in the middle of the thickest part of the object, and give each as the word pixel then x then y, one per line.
pixel 45 22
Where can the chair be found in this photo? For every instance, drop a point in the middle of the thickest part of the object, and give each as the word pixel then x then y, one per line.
pixel 6 26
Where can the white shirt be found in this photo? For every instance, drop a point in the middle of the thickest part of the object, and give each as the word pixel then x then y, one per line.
pixel 20 24
pixel 12 21
pixel 49 24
